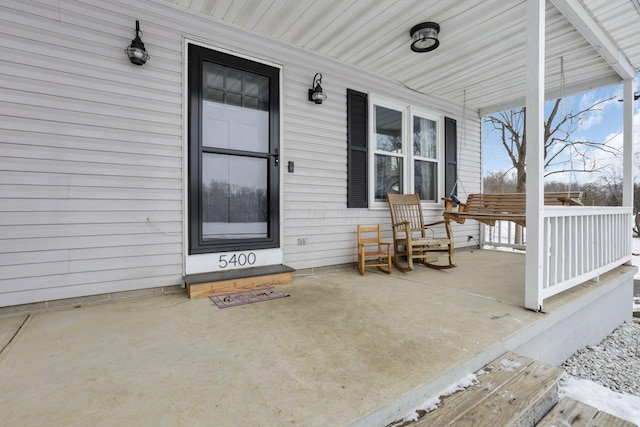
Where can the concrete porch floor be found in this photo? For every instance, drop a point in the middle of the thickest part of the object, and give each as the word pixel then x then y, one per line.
pixel 341 350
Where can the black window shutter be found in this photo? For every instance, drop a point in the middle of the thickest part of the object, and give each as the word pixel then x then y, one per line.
pixel 450 157
pixel 357 146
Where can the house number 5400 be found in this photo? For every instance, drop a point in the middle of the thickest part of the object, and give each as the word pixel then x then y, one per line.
pixel 236 260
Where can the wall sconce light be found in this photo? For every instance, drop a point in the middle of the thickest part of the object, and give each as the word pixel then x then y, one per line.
pixel 425 37
pixel 316 94
pixel 137 53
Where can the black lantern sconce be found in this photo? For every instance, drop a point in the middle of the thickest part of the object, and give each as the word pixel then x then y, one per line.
pixel 137 53
pixel 425 37
pixel 316 94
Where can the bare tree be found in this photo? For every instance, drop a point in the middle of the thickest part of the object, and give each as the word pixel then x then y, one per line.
pixel 499 182
pixel 559 146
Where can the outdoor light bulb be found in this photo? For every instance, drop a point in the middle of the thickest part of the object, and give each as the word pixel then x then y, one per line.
pixel 318 95
pixel 425 38
pixel 424 43
pixel 137 55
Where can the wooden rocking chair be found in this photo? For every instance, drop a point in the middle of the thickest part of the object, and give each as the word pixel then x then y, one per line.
pixel 410 232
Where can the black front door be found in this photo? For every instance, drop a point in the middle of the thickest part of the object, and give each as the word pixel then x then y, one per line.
pixel 234 134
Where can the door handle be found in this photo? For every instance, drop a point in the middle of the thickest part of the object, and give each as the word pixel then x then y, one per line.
pixel 276 156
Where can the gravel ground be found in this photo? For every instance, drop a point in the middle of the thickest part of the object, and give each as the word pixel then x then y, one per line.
pixel 614 363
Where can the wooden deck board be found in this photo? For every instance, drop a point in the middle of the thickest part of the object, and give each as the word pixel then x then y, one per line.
pixel 512 401
pixel 602 419
pixel 570 412
pixel 201 290
pixel 496 375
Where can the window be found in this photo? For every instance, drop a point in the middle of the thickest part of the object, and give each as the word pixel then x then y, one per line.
pixel 389 153
pixel 425 158
pixel 397 148
pixel 406 148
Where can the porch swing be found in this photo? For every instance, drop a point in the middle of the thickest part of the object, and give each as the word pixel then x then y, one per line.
pixel 489 208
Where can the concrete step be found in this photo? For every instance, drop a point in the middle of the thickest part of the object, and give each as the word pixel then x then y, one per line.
pixel 569 412
pixel 512 390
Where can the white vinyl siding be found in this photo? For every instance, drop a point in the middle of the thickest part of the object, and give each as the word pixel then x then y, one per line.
pixel 91 156
pixel 92 148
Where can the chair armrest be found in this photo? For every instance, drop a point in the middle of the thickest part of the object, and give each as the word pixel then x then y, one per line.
pixel 435 223
pixel 401 224
pixel 449 205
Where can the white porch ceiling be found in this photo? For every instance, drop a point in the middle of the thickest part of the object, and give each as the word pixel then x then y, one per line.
pixel 482 42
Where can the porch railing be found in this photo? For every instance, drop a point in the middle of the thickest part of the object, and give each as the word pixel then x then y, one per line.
pixel 580 243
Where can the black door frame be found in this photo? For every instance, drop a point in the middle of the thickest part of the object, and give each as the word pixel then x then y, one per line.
pixel 197 245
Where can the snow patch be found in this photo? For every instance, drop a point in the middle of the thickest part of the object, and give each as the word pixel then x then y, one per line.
pixel 635 259
pixel 509 365
pixel 624 406
pixel 433 403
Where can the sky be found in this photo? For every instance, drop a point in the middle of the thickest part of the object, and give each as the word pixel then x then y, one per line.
pixel 605 124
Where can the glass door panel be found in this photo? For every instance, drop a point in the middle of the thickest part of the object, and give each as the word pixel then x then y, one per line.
pixel 234 196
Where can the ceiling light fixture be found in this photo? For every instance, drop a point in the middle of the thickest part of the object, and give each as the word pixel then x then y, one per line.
pixel 425 37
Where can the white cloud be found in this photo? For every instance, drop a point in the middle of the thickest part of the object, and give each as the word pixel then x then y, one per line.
pixel 595 117
pixel 611 161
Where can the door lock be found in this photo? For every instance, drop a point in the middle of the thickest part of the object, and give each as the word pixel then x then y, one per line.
pixel 276 156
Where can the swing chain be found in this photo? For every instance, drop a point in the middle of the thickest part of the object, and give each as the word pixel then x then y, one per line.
pixel 565 113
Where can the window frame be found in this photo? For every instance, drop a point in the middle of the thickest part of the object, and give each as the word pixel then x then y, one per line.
pixel 440 147
pixel 373 151
pixel 408 112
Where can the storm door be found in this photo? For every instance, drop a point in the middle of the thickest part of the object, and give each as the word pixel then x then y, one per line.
pixel 233 153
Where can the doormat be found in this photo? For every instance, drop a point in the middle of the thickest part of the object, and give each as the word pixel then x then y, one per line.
pixel 247 297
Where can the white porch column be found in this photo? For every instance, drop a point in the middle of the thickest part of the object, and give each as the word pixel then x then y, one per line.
pixel 627 189
pixel 535 153
pixel 627 151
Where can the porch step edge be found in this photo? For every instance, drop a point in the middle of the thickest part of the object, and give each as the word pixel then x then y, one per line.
pixel 513 390
pixel 225 282
pixel 193 279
